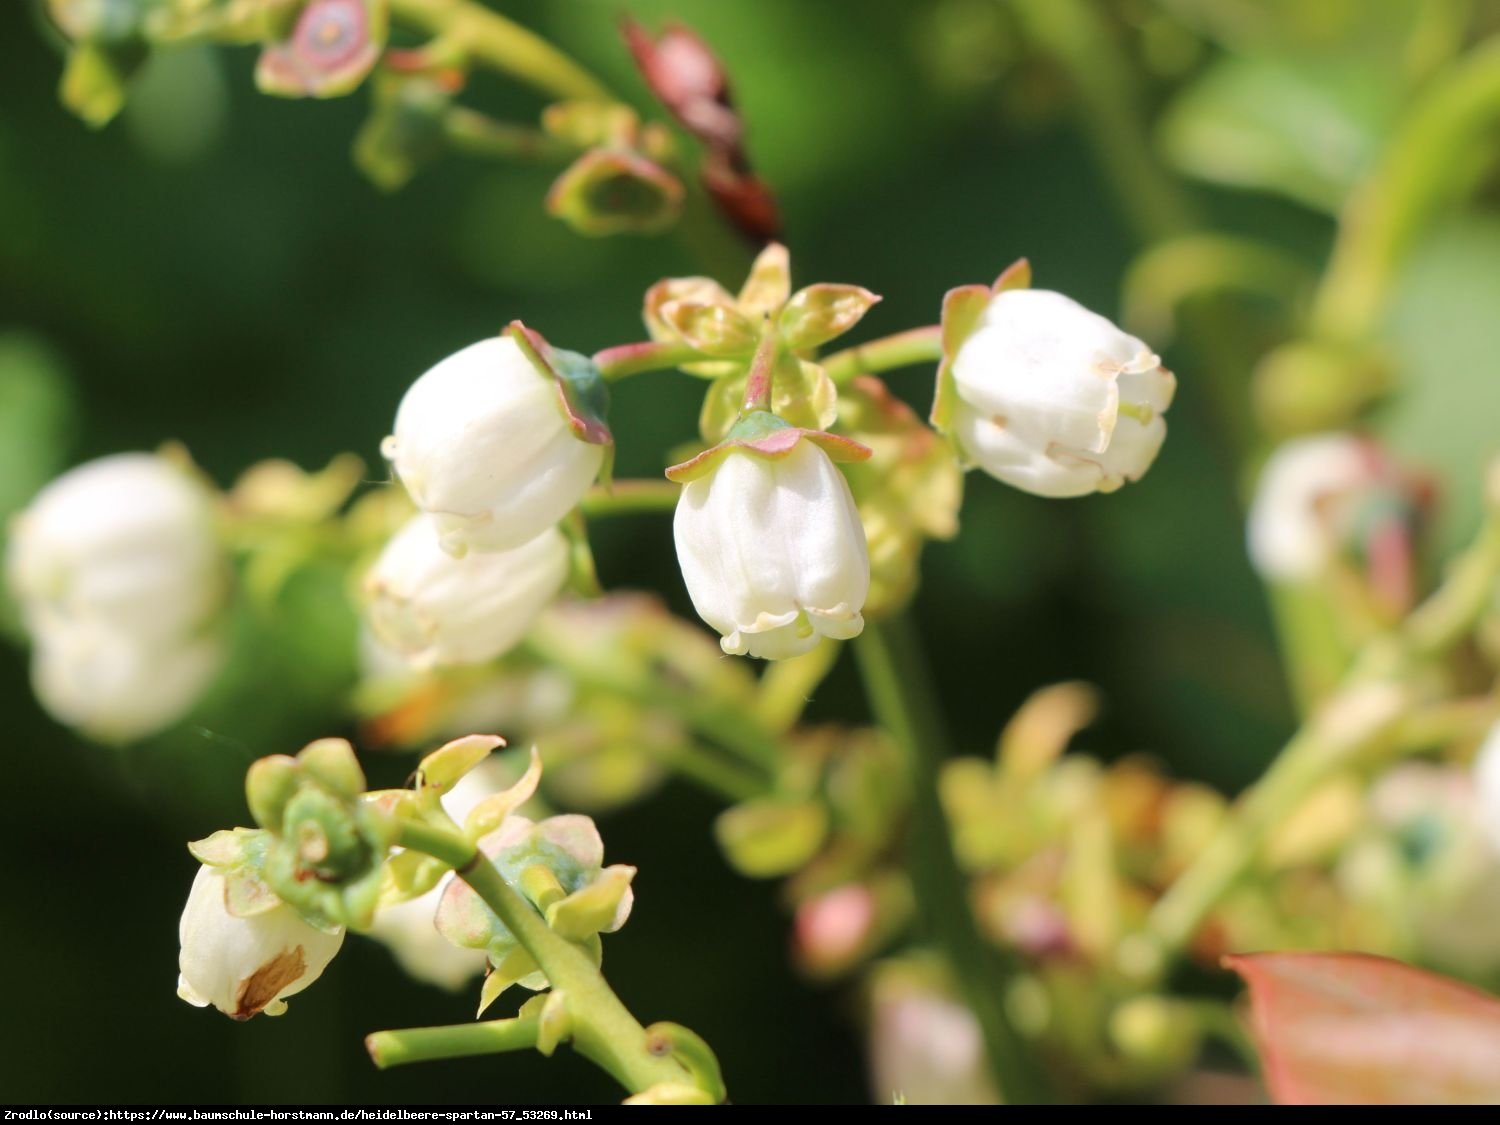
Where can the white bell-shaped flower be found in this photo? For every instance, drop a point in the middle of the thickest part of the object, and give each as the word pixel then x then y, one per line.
pixel 127 542
pixel 484 444
pixel 435 609
pixel 243 966
pixel 1305 501
pixel 115 688
pixel 1054 399
pixel 118 572
pixel 772 550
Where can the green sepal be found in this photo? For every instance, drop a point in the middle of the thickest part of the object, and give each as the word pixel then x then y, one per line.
pixel 95 76
pixel 405 129
pixel 762 434
pixel 1017 275
pixel 594 908
pixel 693 1052
pixel 770 837
pixel 555 1022
pixel 769 284
pixel 715 330
pixel 440 770
pixel 582 392
pixel 490 813
pixel 614 190
pixel 823 312
pixel 962 309
pixel 239 854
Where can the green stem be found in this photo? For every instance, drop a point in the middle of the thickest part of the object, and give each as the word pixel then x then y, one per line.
pixel 477 134
pixel 626 497
pixel 732 727
pixel 727 779
pixel 603 1028
pixel 1111 111
pixel 904 349
pixel 490 38
pixel 649 355
pixel 1430 161
pixel 1339 738
pixel 455 1041
pixel 901 696
pixel 1370 713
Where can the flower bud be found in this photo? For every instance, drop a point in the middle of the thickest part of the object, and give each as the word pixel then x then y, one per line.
pixel 485 443
pixel 925 1048
pixel 1047 396
pixel 435 609
pixel 246 965
pixel 1330 495
pixel 117 571
pixel 770 542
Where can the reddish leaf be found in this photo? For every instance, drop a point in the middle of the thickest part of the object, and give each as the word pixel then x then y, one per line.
pixel 1352 1029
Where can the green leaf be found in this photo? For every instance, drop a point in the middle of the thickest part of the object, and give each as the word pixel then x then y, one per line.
pixel 1308 130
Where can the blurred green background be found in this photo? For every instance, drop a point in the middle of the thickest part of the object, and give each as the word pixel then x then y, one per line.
pixel 212 269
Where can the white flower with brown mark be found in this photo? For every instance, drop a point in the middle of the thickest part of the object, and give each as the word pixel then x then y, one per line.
pixel 435 609
pixel 769 539
pixel 500 440
pixel 1045 395
pixel 246 964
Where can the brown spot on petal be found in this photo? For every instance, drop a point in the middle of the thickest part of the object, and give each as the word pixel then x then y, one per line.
pixel 261 986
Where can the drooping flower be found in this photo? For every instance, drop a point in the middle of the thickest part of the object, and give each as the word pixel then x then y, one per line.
pixel 244 964
pixel 118 573
pixel 500 440
pixel 1045 395
pixel 769 539
pixel 435 609
pixel 114 688
pixel 1330 494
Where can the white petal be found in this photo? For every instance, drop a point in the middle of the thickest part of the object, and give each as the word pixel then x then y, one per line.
pixel 436 609
pixel 126 541
pixel 773 552
pixel 481 441
pixel 245 965
pixel 1001 453
pixel 114 687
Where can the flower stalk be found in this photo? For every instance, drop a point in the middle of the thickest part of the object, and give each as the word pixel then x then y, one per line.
pixel 603 1030
pixel 902 698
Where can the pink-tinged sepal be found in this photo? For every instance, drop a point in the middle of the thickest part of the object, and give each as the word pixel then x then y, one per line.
pixel 769 283
pixel 762 434
pixel 1017 275
pixel 820 313
pixel 962 309
pixel 332 47
pixel 716 330
pixel 582 391
pixel 614 190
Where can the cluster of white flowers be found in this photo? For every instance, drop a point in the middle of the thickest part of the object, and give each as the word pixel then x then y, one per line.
pixel 118 573
pixel 484 448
